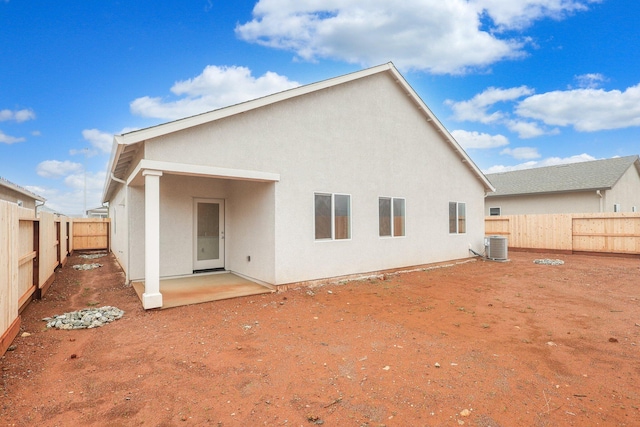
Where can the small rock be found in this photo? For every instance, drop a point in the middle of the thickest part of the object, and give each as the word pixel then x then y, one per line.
pixel 551 344
pixel 465 413
pixel 25 334
pixel 437 365
pixel 613 339
pixel 329 292
pixel 12 347
pixel 386 368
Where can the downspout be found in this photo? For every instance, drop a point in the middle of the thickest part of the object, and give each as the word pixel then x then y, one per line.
pixel 601 201
pixel 37 206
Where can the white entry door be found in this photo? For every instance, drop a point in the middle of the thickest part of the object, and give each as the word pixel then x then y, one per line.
pixel 208 234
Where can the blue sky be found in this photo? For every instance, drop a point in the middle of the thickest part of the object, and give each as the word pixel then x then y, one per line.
pixel 518 83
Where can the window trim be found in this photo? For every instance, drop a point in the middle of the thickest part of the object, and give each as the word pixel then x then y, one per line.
pixel 333 217
pixel 499 211
pixel 457 218
pixel 391 224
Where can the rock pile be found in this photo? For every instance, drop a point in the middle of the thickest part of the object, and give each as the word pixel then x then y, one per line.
pixel 87 266
pixel 93 256
pixel 85 319
pixel 549 261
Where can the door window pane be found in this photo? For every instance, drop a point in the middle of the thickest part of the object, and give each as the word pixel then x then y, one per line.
pixel 208 231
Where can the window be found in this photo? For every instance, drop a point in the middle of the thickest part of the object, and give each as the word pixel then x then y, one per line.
pixel 391 217
pixel 333 216
pixel 634 209
pixel 616 207
pixel 494 211
pixel 457 218
pixel 20 203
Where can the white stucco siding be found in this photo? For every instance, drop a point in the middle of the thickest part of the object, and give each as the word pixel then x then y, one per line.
pixel 119 227
pixel 625 192
pixel 365 138
pixel 250 230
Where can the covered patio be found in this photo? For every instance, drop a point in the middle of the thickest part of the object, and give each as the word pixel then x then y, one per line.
pixel 204 287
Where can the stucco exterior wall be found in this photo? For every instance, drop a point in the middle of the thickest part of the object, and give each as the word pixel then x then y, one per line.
pixel 119 228
pixel 626 192
pixel 365 138
pixel 583 202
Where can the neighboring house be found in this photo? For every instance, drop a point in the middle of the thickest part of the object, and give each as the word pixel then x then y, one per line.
pixel 345 176
pixel 21 196
pixel 610 185
pixel 99 212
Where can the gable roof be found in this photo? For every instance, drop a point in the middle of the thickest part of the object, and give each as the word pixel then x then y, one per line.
pixel 583 176
pixel 126 145
pixel 15 187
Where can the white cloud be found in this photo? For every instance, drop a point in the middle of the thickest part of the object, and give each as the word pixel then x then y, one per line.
pixel 587 110
pixel 550 161
pixel 453 36
pixel 57 169
pixel 216 87
pixel 478 140
pixel 476 109
pixel 522 13
pixel 522 153
pixel 99 140
pixel 526 130
pixel 18 116
pixel 590 80
pixel 8 139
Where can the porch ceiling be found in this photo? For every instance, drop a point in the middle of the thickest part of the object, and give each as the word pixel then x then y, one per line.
pixel 136 178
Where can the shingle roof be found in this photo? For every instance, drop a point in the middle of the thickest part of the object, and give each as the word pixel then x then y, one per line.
pixel 583 176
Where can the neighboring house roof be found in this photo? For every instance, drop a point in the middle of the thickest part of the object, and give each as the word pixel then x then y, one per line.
pixel 15 187
pixel 583 176
pixel 126 145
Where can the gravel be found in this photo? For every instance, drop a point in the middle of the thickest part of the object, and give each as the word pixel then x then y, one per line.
pixel 86 318
pixel 548 261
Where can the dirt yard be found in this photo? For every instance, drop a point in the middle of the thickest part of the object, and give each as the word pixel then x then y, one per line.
pixel 475 344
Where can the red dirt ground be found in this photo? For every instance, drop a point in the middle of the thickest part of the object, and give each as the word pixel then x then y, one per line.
pixel 517 344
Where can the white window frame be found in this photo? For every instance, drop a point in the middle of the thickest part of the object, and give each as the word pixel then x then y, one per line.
pixel 333 217
pixel 392 217
pixel 457 218
pixel 20 203
pixel 616 207
pixel 634 209
pixel 499 211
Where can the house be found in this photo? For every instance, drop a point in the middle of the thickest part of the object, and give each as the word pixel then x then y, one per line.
pixel 21 196
pixel 99 212
pixel 342 177
pixel 609 185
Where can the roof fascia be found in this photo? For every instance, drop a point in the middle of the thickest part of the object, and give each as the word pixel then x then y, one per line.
pixel 116 150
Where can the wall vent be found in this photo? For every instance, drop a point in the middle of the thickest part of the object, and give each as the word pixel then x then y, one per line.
pixel 497 248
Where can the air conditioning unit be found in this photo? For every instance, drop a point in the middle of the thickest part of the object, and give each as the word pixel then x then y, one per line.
pixel 496 248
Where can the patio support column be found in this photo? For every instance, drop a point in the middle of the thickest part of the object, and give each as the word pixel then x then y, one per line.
pixel 151 298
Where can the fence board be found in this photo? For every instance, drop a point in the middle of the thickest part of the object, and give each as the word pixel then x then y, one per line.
pixel 604 232
pixel 9 317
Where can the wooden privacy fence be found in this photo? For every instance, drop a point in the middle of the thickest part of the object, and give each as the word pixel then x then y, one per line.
pixel 616 233
pixel 30 251
pixel 90 233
